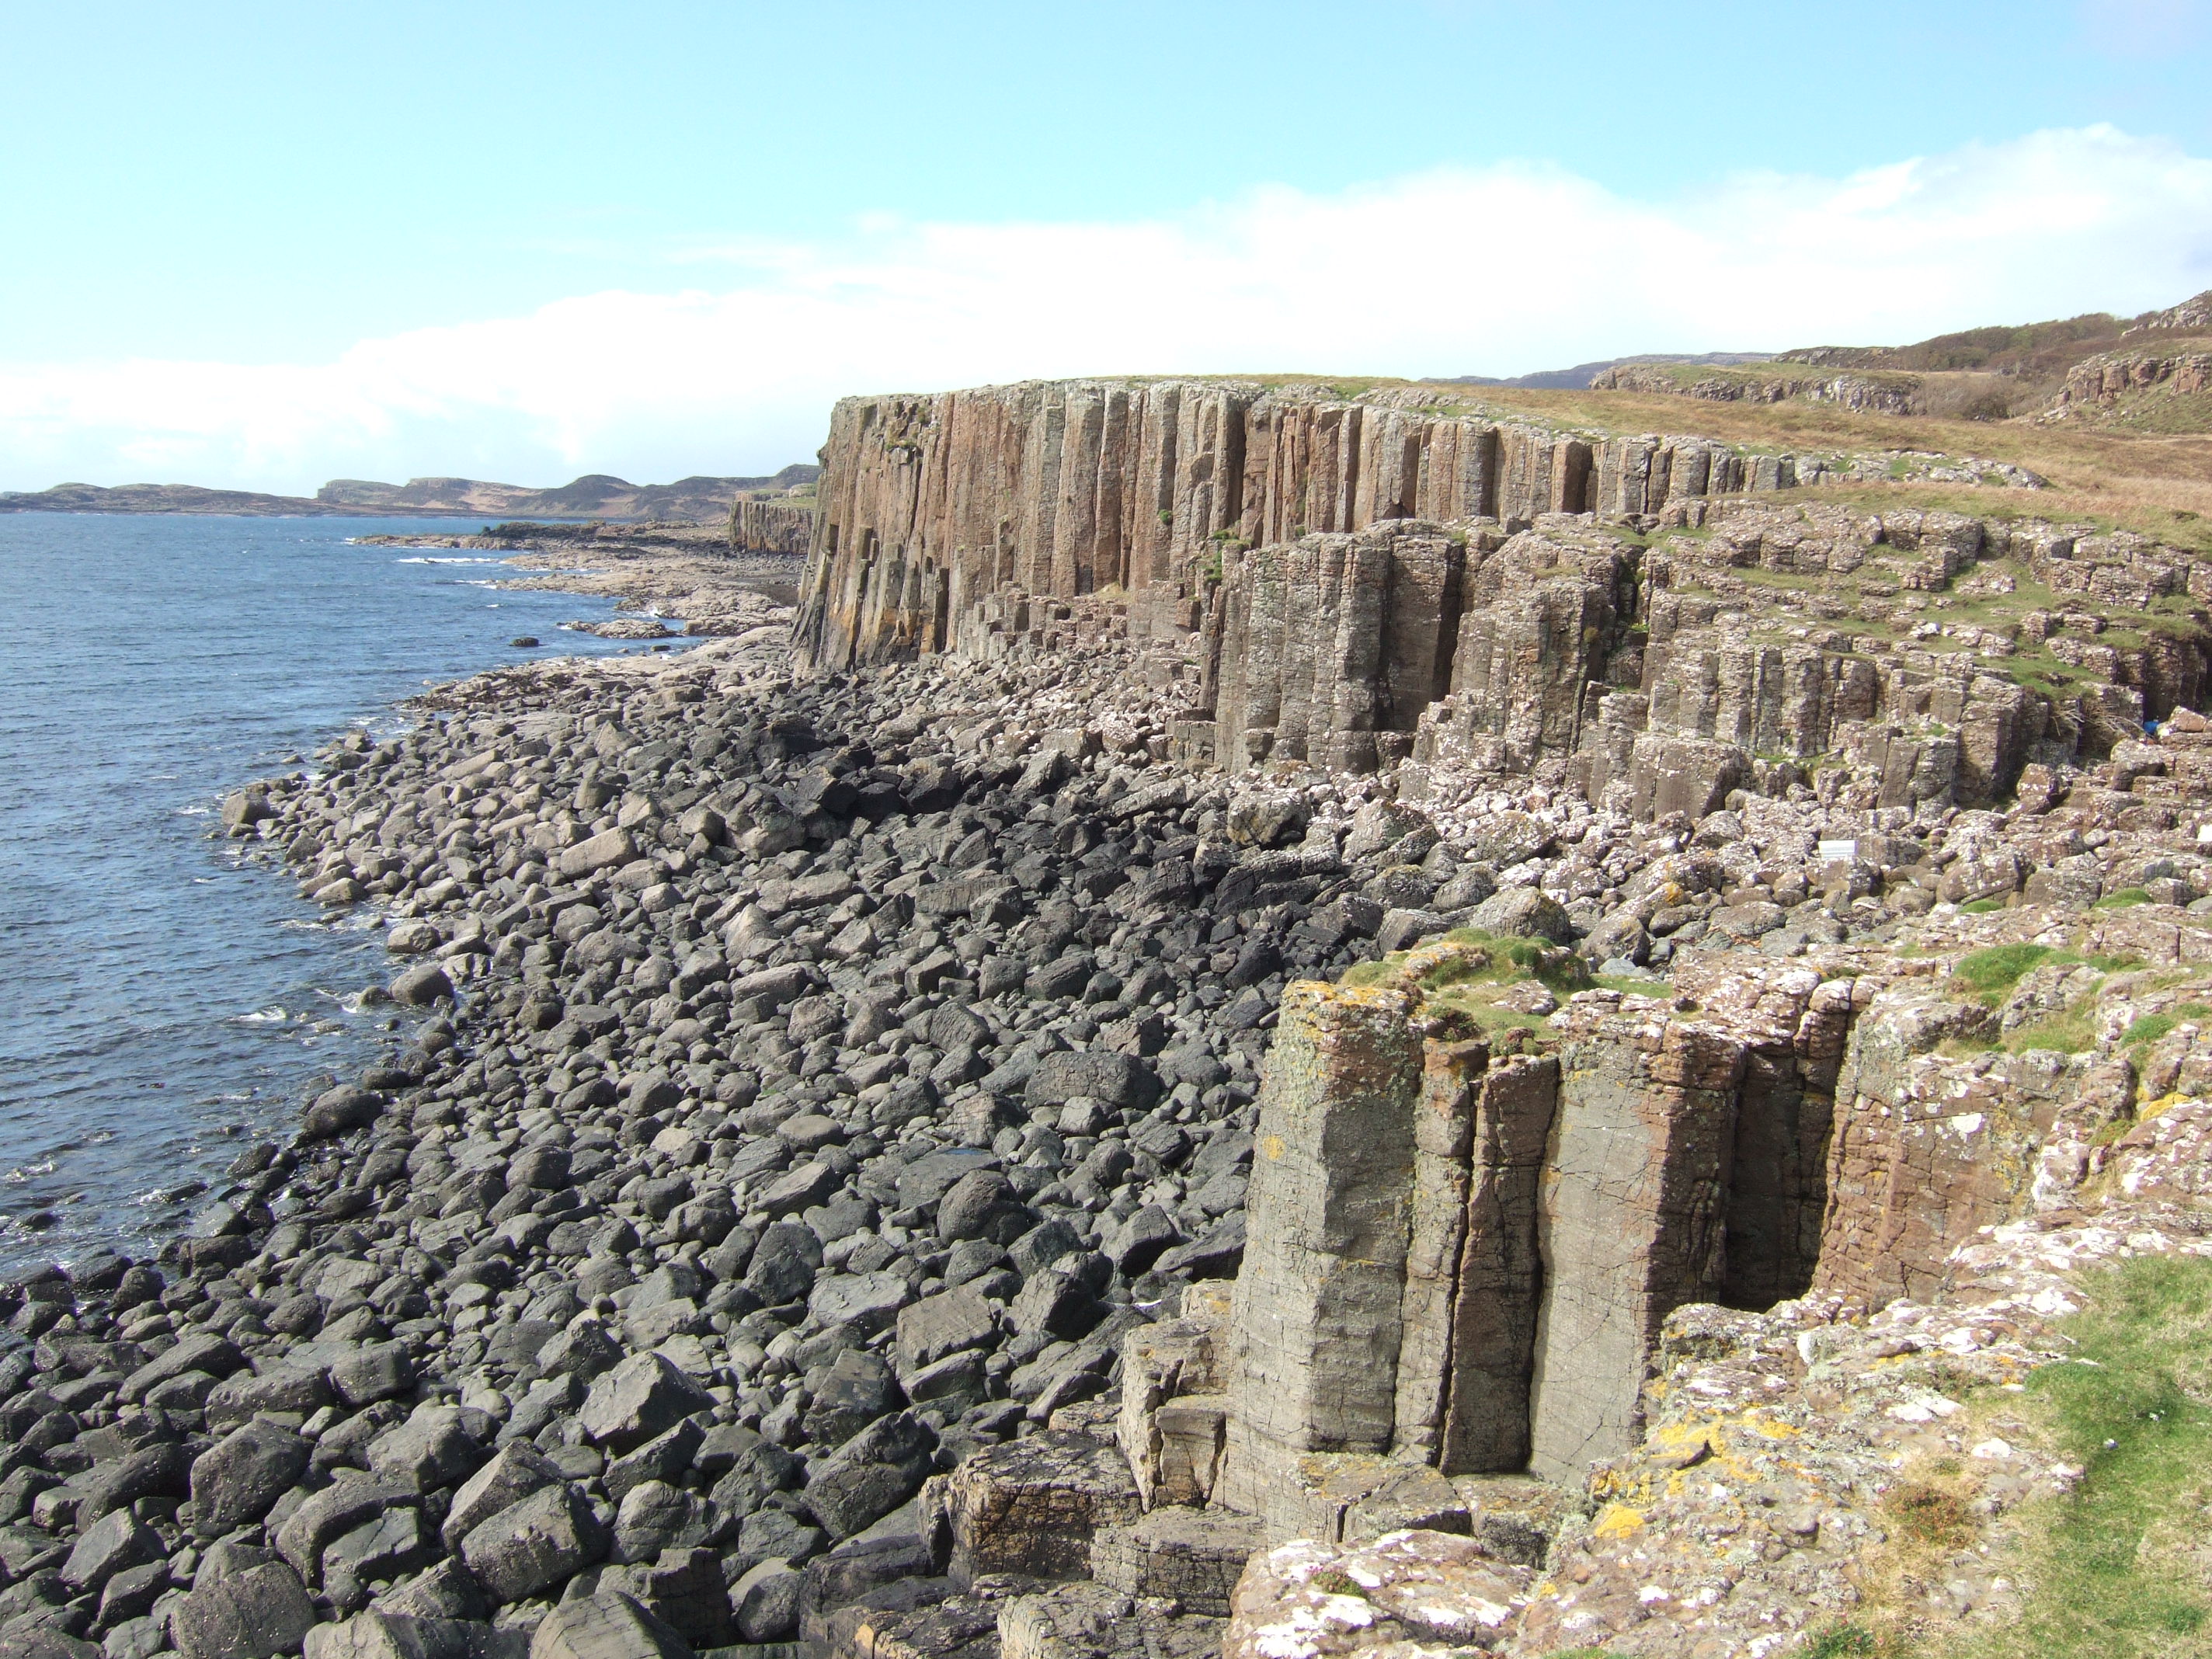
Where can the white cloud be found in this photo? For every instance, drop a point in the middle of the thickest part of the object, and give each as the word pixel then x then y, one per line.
pixel 1501 269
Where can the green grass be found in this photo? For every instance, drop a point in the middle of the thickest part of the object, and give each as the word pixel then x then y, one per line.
pixel 2126 898
pixel 1982 907
pixel 2072 1032
pixel 2151 1027
pixel 1794 581
pixel 2111 1573
pixel 1989 977
pixel 2178 412
pixel 1990 974
pixel 2027 594
pixel 1469 984
pixel 1628 985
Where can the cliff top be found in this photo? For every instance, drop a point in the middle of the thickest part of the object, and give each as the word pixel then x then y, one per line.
pixel 2108 474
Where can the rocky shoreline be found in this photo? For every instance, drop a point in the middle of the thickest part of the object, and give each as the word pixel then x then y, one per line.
pixel 811 1087
pixel 947 1094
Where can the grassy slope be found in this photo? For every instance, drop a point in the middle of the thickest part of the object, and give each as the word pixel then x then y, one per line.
pixel 2120 1568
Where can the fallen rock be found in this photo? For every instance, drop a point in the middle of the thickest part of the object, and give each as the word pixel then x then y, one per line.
pixel 1096 1622
pixel 236 1480
pixel 380 1635
pixel 534 1543
pixel 642 1397
pixel 607 1626
pixel 420 986
pixel 254 1614
pixel 1030 1506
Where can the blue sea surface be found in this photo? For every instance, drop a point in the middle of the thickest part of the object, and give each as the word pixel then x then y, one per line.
pixel 161 1002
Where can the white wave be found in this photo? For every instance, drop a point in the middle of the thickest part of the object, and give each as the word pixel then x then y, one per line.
pixel 431 560
pixel 271 1016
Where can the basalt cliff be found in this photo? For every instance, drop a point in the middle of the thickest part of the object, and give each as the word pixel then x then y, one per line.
pixel 1359 584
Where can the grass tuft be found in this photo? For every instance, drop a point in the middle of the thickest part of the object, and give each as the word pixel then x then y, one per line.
pixel 2149 1028
pixel 1842 1642
pixel 2072 1032
pixel 1991 974
pixel 1928 1515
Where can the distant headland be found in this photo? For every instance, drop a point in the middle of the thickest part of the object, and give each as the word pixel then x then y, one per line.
pixel 594 495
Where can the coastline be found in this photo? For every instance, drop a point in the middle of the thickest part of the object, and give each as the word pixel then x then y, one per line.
pixel 814 1086
pixel 302 1305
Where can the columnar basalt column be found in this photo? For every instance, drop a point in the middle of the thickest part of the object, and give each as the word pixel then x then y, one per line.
pixel 1501 1278
pixel 1632 1221
pixel 1317 1306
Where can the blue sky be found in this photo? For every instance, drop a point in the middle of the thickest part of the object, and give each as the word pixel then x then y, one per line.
pixel 265 245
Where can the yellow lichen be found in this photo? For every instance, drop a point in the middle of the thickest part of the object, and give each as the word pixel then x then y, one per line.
pixel 1617 1520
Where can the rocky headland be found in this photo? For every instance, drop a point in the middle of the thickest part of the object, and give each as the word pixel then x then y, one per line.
pixel 1265 1023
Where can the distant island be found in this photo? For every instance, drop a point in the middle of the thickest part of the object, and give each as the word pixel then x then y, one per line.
pixel 594 495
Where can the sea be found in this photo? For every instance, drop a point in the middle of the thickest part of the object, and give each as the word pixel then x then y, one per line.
pixel 163 1001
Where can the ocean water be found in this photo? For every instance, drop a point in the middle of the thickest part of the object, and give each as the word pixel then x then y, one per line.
pixel 161 1003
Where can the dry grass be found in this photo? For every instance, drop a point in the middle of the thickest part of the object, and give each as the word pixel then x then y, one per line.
pixel 2158 484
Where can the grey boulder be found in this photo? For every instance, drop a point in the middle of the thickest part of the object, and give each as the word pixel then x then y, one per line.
pixel 539 1541
pixel 237 1480
pixel 258 1614
pixel 641 1398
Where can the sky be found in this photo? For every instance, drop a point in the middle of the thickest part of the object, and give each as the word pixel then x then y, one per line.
pixel 258 246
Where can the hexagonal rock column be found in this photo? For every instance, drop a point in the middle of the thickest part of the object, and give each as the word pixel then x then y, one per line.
pixel 1317 1313
pixel 1491 1330
pixel 1632 1221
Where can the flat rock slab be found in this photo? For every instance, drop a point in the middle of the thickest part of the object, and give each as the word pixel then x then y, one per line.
pixel 959 1627
pixel 375 1635
pixel 1096 1621
pixel 1030 1506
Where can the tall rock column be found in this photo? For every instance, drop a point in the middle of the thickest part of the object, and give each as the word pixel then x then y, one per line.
pixel 1631 1222
pixel 1501 1275
pixel 1538 622
pixel 1317 1307
pixel 1444 1134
